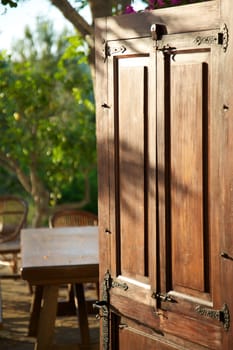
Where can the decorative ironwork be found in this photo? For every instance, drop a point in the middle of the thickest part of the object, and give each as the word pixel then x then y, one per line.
pixel 116 284
pixel 209 40
pixel 220 315
pixel 221 38
pixel 224 37
pixel 104 306
pixel 109 51
pixel 105 310
pixel 105 51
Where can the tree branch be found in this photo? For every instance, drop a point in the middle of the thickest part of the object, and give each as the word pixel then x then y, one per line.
pixel 73 16
pixel 11 165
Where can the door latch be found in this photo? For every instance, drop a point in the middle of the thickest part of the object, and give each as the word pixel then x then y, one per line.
pixel 101 305
pixel 163 297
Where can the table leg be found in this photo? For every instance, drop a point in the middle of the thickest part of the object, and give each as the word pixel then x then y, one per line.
pixel 35 311
pixel 47 318
pixel 82 313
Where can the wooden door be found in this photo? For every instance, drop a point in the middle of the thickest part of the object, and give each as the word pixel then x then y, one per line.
pixel 157 97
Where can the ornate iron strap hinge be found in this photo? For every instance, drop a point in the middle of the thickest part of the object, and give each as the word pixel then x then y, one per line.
pixel 116 284
pixel 221 38
pixel 109 51
pixel 104 306
pixel 220 315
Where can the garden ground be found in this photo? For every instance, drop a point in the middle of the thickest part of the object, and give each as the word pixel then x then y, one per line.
pixel 16 301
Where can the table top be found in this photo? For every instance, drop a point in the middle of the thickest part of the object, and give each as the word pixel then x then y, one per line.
pixel 60 255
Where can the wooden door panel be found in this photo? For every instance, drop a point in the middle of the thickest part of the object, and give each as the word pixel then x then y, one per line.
pixel 133 180
pixel 189 190
pixel 132 78
pixel 132 122
pixel 187 263
pixel 186 236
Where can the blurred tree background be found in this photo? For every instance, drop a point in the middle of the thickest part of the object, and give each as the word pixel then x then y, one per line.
pixel 47 111
pixel 48 121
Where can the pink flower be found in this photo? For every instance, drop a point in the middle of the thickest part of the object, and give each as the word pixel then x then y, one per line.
pixel 129 9
pixel 152 4
pixel 161 3
pixel 175 2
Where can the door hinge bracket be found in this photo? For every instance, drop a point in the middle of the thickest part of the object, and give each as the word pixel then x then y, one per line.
pixel 109 50
pixel 221 38
pixel 116 284
pixel 103 307
pixel 220 315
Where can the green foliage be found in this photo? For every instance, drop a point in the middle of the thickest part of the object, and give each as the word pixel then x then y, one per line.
pixel 47 115
pixel 10 184
pixel 75 191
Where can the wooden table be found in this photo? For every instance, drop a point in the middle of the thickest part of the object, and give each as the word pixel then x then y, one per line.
pixel 55 256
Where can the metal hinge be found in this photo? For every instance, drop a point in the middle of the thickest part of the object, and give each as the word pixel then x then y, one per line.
pixel 220 315
pixel 109 50
pixel 103 306
pixel 116 284
pixel 221 38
